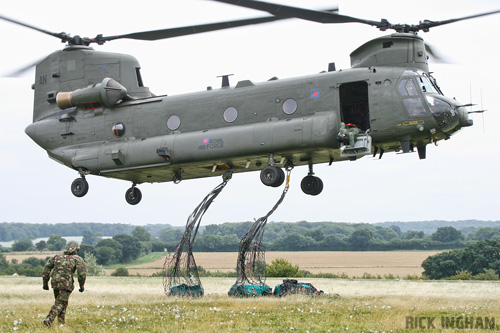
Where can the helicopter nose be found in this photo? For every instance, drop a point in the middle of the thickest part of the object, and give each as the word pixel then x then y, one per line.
pixel 465 121
pixel 448 113
pixel 31 131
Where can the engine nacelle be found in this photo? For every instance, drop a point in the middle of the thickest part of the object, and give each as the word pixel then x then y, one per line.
pixel 108 92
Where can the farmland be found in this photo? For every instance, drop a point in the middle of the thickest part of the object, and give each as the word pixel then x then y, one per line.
pixel 139 304
pixel 353 264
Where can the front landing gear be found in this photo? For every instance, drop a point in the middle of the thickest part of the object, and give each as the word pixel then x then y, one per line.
pixel 311 185
pixel 272 176
pixel 80 187
pixel 133 195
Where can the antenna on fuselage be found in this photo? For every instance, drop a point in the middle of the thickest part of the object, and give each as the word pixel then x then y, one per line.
pixel 225 80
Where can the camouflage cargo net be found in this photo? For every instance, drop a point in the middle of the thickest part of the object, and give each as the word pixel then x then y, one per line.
pixel 181 272
pixel 291 286
pixel 251 263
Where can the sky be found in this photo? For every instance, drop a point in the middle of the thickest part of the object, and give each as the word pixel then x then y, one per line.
pixel 459 180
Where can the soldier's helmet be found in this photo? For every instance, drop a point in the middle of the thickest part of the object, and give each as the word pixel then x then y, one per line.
pixel 72 247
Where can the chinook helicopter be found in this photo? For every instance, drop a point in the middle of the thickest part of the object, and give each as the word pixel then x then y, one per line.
pixel 93 113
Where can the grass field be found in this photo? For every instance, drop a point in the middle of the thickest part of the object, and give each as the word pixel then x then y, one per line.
pixel 139 304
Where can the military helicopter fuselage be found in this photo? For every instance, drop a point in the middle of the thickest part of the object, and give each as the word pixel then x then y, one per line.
pixel 93 114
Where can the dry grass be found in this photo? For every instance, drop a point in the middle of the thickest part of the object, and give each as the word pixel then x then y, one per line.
pixel 139 304
pixel 20 256
pixel 354 264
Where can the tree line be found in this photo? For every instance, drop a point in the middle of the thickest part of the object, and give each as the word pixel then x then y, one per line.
pixel 476 256
pixel 10 231
pixel 279 236
pixel 328 236
pixel 479 261
pixel 121 248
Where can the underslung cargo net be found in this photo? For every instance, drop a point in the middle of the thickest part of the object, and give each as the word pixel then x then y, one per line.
pixel 251 263
pixel 289 287
pixel 181 272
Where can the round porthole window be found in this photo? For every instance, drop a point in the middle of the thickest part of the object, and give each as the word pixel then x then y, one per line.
pixel 230 114
pixel 118 130
pixel 289 106
pixel 173 122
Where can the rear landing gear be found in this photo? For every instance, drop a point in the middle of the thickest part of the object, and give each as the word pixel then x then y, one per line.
pixel 133 195
pixel 80 187
pixel 310 184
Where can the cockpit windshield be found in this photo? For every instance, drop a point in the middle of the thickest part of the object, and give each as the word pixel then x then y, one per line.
pixel 425 81
pixel 425 85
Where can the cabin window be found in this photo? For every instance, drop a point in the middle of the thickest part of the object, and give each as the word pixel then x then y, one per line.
pixel 173 122
pixel 118 130
pixel 289 106
pixel 230 114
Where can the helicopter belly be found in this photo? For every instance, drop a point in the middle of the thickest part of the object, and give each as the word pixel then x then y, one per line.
pixel 203 153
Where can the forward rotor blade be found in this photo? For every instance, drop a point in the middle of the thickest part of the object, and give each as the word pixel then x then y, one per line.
pixel 188 30
pixel 305 14
pixel 326 17
pixel 426 25
pixel 436 56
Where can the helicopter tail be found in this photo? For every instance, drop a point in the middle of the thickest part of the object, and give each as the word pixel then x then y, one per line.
pixel 79 76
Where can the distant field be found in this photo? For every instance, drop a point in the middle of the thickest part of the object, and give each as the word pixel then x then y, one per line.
pixel 354 264
pixel 20 256
pixel 399 263
pixel 136 304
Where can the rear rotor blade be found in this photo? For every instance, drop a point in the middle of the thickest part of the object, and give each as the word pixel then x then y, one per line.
pixel 21 71
pixel 64 37
pixel 151 35
pixel 188 30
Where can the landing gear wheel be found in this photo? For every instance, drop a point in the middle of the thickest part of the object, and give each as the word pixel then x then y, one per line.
pixel 282 177
pixel 311 185
pixel 79 187
pixel 133 195
pixel 272 176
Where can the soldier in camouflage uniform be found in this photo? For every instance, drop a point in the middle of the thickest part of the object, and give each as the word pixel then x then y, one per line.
pixel 60 269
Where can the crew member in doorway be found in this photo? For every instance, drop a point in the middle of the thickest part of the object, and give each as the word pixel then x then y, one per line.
pixel 348 134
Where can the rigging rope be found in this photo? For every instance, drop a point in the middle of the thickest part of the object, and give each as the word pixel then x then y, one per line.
pixel 181 272
pixel 251 264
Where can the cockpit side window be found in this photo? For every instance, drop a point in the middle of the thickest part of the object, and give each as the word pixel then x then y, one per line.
pixel 407 88
pixel 411 98
pixel 414 106
pixel 139 77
